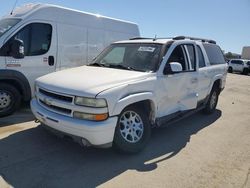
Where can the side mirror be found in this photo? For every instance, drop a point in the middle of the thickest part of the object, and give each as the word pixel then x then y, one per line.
pixel 17 49
pixel 172 68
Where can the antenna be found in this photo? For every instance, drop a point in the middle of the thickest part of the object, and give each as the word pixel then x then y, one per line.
pixel 13 7
pixel 155 38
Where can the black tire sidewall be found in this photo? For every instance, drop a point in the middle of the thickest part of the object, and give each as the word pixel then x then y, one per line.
pixel 15 96
pixel 208 109
pixel 245 71
pixel 121 144
pixel 230 69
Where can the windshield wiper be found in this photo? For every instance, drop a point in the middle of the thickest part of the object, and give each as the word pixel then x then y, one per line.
pixel 96 65
pixel 119 66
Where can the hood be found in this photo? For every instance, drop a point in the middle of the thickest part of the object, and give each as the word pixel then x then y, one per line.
pixel 88 81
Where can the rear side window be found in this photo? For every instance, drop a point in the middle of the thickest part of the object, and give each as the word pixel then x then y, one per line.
pixel 201 58
pixel 237 62
pixel 214 54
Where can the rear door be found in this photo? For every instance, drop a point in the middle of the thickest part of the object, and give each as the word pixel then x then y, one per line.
pixel 40 49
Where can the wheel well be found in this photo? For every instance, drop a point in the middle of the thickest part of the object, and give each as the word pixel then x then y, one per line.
pixel 217 84
pixel 15 84
pixel 149 108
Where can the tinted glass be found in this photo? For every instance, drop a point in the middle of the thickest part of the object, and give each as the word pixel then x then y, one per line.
pixel 40 39
pixel 191 53
pixel 214 54
pixel 178 55
pixel 201 58
pixel 36 38
pixel 237 62
pixel 24 35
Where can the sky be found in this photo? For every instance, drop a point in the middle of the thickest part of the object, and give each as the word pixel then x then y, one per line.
pixel 226 21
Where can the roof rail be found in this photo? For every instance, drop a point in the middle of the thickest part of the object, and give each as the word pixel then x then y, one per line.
pixel 138 38
pixel 194 38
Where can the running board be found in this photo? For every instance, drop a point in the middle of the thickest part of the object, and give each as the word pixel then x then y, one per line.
pixel 175 117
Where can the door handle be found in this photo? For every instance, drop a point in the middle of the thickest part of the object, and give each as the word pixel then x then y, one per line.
pixel 51 61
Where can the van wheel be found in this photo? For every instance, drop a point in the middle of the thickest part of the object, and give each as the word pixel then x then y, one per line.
pixel 10 99
pixel 245 71
pixel 212 101
pixel 132 131
pixel 230 69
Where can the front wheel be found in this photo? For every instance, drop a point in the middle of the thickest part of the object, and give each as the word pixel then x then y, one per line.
pixel 10 99
pixel 132 131
pixel 230 70
pixel 212 101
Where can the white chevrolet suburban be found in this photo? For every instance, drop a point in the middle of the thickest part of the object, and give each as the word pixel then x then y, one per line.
pixel 129 88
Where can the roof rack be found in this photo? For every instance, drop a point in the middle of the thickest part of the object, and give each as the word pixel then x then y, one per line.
pixel 139 38
pixel 194 38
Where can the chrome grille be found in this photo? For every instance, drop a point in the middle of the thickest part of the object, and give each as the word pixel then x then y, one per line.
pixel 56 102
pixel 56 96
pixel 56 108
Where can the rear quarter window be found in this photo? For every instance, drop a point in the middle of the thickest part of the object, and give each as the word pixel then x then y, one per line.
pixel 214 54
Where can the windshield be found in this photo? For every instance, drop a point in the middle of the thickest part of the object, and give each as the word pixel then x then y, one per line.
pixel 137 57
pixel 6 24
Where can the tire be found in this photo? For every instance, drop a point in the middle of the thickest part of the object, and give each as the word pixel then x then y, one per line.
pixel 212 101
pixel 10 99
pixel 132 131
pixel 245 71
pixel 230 70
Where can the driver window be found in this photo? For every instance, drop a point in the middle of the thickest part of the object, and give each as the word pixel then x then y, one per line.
pixel 178 55
pixel 36 38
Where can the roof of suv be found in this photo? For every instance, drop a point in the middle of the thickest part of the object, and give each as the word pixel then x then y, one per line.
pixel 165 40
pixel 158 41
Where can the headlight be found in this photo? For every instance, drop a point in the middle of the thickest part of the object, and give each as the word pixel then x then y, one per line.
pixel 91 102
pixel 92 117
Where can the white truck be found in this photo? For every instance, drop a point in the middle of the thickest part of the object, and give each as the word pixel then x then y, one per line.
pixel 129 88
pixel 38 39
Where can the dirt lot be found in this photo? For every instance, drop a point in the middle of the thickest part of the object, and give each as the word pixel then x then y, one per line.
pixel 200 151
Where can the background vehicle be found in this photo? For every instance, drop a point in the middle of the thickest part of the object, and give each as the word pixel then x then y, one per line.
pixel 132 86
pixel 38 39
pixel 239 65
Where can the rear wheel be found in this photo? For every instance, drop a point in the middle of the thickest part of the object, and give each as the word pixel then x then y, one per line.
pixel 230 69
pixel 10 99
pixel 212 101
pixel 132 131
pixel 245 71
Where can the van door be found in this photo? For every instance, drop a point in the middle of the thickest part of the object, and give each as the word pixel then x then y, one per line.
pixel 40 50
pixel 179 91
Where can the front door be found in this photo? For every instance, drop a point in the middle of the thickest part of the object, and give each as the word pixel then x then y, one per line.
pixel 40 51
pixel 179 90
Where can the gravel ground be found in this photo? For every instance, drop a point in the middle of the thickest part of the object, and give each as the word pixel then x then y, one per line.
pixel 200 151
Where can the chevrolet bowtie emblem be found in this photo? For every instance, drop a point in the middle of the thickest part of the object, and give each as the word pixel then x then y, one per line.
pixel 48 101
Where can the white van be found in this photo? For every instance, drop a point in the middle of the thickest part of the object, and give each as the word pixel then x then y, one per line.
pixel 38 39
